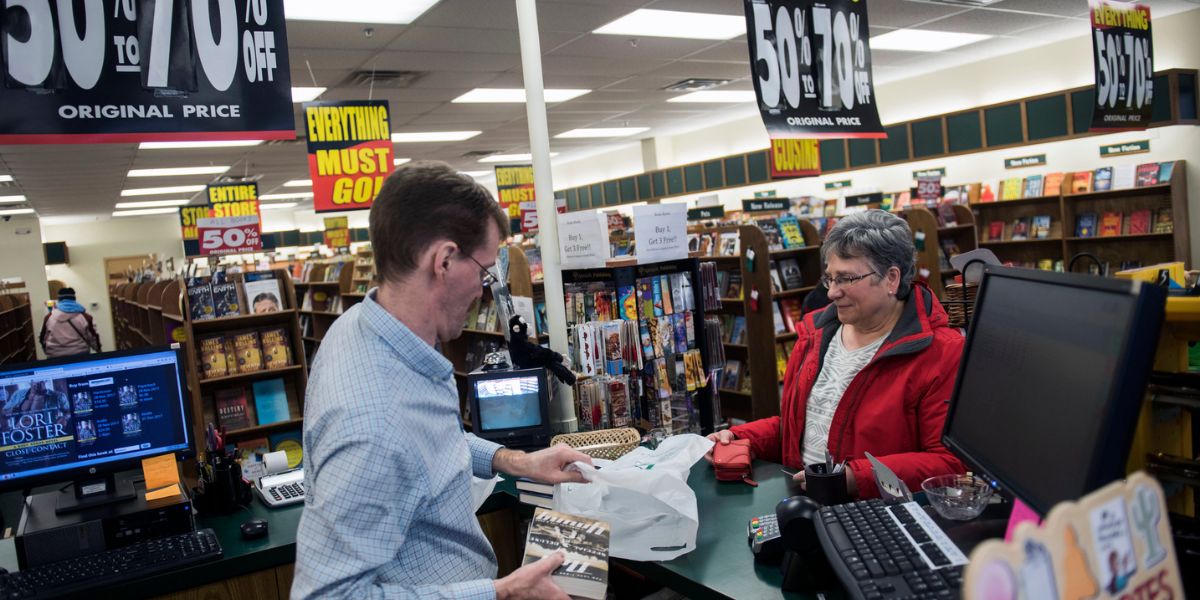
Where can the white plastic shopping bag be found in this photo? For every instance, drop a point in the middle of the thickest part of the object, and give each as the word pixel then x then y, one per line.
pixel 644 495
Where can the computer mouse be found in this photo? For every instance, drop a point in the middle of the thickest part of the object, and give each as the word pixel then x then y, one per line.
pixel 254 529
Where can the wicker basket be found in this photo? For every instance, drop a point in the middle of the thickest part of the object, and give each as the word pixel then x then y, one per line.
pixel 609 444
pixel 960 303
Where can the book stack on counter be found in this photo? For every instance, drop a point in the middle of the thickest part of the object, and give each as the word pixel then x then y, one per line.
pixel 535 493
pixel 219 296
pixel 584 573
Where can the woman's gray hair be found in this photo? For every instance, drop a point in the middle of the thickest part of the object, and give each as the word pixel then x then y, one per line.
pixel 879 237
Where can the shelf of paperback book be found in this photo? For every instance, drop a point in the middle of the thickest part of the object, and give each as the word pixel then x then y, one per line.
pixel 271 318
pixel 251 376
pixel 247 432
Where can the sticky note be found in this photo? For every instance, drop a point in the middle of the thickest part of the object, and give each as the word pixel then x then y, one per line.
pixel 160 471
pixel 170 491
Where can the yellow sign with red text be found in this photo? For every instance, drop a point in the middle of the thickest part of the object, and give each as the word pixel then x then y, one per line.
pixel 349 152
pixel 337 232
pixel 795 158
pixel 514 184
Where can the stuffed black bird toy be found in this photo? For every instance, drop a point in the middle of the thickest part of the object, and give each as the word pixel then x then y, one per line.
pixel 526 354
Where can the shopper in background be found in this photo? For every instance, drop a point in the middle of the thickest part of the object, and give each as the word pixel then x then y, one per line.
pixel 67 329
pixel 388 509
pixel 872 371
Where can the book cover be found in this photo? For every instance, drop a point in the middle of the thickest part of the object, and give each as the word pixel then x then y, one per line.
pixel 1085 225
pixel 776 278
pixel 1110 224
pixel 949 247
pixel 319 300
pixel 1041 227
pixel 793 311
pixel 731 376
pixel 1165 170
pixel 738 334
pixel 1020 229
pixel 545 501
pixel 1139 222
pixel 1052 185
pixel 996 231
pixel 735 286
pixel 789 269
pixel 584 573
pixel 233 410
pixel 200 299
pixel 946 216
pixel 1011 188
pixel 213 361
pixel 986 194
pixel 1034 184
pixel 789 231
pixel 1147 174
pixel 289 442
pixel 225 299
pixel 263 295
pixel 777 318
pixel 1123 177
pixel 248 350
pixel 628 299
pixel 252 450
pixel 729 243
pixel 277 352
pixel 1102 181
pixel 1081 182
pixel 1164 221
pixel 770 229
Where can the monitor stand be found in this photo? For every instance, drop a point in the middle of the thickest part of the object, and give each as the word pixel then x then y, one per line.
pixel 82 493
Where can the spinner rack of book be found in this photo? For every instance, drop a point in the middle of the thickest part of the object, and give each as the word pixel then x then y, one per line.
pixel 147 313
pixel 761 333
pixel 937 242
pixel 321 288
pixel 17 338
pixel 247 371
pixel 1123 228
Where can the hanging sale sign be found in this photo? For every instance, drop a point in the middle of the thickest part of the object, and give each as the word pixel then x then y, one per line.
pixel 232 224
pixel 337 232
pixel 514 183
pixel 1123 54
pixel 349 152
pixel 795 158
pixel 811 67
pixel 144 70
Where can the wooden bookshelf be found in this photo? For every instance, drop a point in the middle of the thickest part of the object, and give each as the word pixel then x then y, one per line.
pixel 18 342
pixel 331 279
pixel 930 253
pixel 147 313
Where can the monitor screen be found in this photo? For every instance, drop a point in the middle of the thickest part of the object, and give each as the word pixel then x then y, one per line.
pixel 1045 380
pixel 64 415
pixel 510 403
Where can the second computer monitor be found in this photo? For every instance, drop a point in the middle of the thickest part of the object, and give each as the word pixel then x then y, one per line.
pixel 1051 381
pixel 511 407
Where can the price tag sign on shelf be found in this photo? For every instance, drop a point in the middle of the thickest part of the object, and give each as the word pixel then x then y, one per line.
pixel 144 70
pixel 1123 53
pixel 811 67
pixel 660 232
pixel 229 235
pixel 349 152
pixel 582 239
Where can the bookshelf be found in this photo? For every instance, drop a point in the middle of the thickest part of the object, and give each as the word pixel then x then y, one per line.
pixel 363 278
pixel 147 313
pixel 938 237
pixel 203 391
pixel 18 341
pixel 321 294
pixel 759 351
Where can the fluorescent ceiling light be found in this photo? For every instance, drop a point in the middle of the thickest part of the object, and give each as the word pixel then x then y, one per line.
pixel 153 203
pixel 514 95
pixel 601 132
pixel 174 171
pixel 495 158
pixel 399 161
pixel 715 96
pixel 279 205
pixel 649 22
pixel 298 183
pixel 923 40
pixel 286 196
pixel 434 136
pixel 476 174
pixel 306 94
pixel 16 211
pixel 5 178
pixel 178 145
pixel 11 199
pixel 144 211
pixel 391 12
pixel 171 189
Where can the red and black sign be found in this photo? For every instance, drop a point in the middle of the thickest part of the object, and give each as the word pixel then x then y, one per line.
pixel 350 152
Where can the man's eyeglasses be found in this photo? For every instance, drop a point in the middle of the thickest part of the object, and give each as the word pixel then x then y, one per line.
pixel 842 281
pixel 486 276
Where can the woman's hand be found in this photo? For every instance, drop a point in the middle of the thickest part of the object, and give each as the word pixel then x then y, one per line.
pixel 722 437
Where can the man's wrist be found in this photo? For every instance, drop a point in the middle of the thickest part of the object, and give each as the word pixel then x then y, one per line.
pixel 508 461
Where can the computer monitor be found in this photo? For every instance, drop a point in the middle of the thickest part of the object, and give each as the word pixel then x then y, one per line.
pixel 1051 381
pixel 83 418
pixel 510 407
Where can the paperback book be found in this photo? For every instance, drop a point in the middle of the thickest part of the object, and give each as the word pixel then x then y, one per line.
pixel 584 573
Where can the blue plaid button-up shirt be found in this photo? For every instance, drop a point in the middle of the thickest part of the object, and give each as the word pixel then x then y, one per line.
pixel 388 512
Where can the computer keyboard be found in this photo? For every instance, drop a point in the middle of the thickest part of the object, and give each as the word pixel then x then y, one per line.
pixel 111 566
pixel 890 551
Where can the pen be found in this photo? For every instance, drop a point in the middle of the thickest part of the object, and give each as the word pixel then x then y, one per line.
pixel 787 472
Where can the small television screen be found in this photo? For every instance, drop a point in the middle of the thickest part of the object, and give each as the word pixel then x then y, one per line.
pixel 508 403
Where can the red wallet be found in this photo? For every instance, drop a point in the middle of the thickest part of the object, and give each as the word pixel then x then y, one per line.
pixel 732 462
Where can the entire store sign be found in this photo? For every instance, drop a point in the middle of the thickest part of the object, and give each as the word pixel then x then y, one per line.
pixel 1123 54
pixel 514 184
pixel 337 232
pixel 811 67
pixel 140 70
pixel 349 152
pixel 795 158
pixel 232 225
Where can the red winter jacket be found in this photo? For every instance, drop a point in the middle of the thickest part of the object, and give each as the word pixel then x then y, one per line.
pixel 894 408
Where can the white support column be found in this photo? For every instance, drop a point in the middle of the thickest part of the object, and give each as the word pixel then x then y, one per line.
pixel 563 406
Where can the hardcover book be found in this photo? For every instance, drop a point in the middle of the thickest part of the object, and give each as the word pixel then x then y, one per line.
pixel 771 231
pixel 277 352
pixel 1147 174
pixel 1081 182
pixel 1041 227
pixel 252 450
pixel 1164 221
pixel 789 230
pixel 213 361
pixel 1123 177
pixel 1103 180
pixel 248 351
pixel 584 573
pixel 289 442
pixel 729 243
pixel 225 299
pixel 1052 185
pixel 789 268
pixel 262 295
pixel 1020 229
pixel 1085 225
pixel 200 299
pixel 996 231
pixel 1139 222
pixel 1165 170
pixel 1110 224
pixel 270 401
pixel 946 216
pixel 232 408
pixel 1034 184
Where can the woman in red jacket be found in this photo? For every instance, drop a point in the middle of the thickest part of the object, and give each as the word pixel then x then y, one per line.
pixel 871 372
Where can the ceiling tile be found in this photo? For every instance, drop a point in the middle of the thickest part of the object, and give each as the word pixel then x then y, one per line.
pixel 612 47
pixel 446 61
pixel 906 13
pixel 988 22
pixel 341 36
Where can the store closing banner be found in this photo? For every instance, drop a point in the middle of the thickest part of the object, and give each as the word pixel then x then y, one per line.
pixel 811 66
pixel 1123 56
pixel 232 225
pixel 144 70
pixel 350 152
pixel 795 158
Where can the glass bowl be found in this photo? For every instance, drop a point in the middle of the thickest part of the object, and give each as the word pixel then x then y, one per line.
pixel 957 497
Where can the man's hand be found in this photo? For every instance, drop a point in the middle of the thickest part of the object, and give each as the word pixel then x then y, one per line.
pixel 722 437
pixel 546 465
pixel 532 581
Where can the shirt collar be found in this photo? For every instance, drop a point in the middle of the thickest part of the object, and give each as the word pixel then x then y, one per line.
pixel 411 349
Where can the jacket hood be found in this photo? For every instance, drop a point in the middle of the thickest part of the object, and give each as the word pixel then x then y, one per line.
pixel 69 306
pixel 913 332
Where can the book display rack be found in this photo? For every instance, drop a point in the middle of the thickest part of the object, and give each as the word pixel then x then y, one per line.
pixel 18 341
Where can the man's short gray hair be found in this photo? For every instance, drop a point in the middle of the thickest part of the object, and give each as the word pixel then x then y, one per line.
pixel 879 237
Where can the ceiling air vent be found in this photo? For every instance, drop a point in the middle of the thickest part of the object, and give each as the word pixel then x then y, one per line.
pixel 695 85
pixel 382 79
